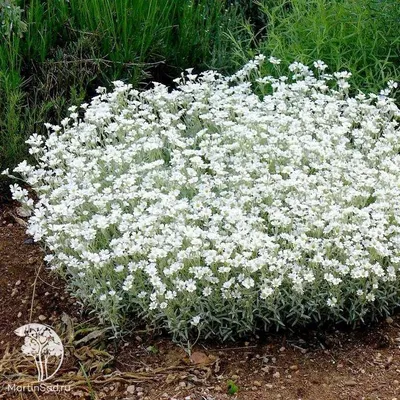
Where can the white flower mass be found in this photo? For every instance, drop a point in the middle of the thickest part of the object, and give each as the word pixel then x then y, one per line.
pixel 224 205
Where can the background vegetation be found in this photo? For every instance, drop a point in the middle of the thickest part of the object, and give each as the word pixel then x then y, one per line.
pixel 54 53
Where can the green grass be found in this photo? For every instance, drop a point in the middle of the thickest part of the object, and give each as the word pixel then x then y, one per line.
pixel 362 36
pixel 11 95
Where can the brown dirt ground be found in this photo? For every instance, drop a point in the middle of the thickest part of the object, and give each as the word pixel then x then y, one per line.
pixel 313 365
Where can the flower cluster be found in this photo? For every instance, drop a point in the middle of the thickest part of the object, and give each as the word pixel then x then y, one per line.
pixel 224 205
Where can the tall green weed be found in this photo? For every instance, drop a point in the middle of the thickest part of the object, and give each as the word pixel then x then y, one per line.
pixel 362 36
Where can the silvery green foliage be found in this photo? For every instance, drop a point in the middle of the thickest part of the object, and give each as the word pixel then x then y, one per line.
pixel 10 20
pixel 227 204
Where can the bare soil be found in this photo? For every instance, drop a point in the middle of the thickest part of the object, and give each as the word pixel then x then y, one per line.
pixel 315 365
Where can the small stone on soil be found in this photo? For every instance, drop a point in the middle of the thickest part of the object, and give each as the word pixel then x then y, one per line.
pixel 131 389
pixel 42 317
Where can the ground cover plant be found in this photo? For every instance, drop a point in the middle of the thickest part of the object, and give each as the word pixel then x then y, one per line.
pixel 211 210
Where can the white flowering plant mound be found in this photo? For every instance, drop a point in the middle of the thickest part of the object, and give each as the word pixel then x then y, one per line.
pixel 225 205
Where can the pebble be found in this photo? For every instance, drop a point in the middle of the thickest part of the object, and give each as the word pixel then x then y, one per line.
pixel 293 367
pixel 42 317
pixel 395 382
pixel 276 375
pixel 182 384
pixel 269 385
pixel 350 382
pixel 18 283
pixel 257 383
pixel 218 388
pixel 282 349
pixel 140 394
pixel 131 389
pixel 389 320
pixel 19 314
pixel 235 377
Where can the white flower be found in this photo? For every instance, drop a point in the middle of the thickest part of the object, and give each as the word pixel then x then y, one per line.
pixel 266 292
pixel 332 302
pixel 248 283
pixel 320 65
pixel 195 320
pixel 370 297
pixel 273 60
